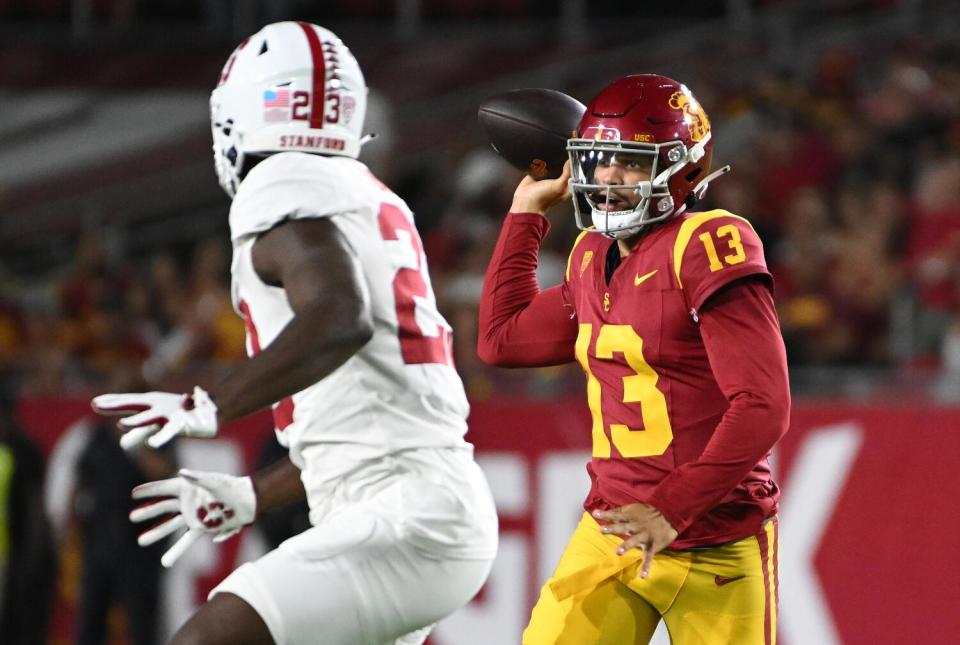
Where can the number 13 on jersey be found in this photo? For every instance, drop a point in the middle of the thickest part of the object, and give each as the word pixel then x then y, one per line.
pixel 638 388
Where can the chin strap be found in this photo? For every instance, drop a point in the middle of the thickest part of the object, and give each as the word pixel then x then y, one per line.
pixel 701 188
pixel 367 137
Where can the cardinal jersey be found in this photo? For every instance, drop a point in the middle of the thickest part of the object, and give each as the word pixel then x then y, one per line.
pixel 651 391
pixel 400 391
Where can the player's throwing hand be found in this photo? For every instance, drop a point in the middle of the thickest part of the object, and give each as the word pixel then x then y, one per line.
pixel 158 417
pixel 643 526
pixel 539 196
pixel 214 503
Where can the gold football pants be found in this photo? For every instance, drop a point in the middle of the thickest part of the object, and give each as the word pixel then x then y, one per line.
pixel 724 594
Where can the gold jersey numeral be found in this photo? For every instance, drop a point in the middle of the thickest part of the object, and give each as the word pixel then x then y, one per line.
pixel 639 387
pixel 735 244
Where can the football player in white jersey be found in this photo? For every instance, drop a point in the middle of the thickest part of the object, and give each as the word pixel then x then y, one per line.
pixel 346 344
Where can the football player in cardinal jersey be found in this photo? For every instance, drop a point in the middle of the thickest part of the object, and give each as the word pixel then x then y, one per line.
pixel 346 344
pixel 670 313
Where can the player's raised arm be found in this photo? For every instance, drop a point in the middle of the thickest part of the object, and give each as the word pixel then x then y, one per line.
pixel 521 326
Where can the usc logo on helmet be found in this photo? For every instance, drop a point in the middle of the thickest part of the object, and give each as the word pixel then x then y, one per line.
pixel 694 116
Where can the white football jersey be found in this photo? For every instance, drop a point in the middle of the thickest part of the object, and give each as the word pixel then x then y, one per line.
pixel 400 391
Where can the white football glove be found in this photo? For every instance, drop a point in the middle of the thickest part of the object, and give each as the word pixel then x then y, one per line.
pixel 158 417
pixel 216 504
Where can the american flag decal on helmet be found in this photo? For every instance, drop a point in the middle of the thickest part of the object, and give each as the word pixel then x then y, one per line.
pixel 276 104
pixel 276 98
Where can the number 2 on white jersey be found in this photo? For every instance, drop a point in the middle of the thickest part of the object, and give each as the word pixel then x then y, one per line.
pixel 424 335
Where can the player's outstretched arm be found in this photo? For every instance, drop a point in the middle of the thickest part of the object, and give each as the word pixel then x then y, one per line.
pixel 323 281
pixel 520 326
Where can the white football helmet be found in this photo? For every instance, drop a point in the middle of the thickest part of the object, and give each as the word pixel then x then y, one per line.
pixel 292 86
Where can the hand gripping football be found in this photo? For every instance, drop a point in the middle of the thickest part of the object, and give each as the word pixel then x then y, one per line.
pixel 530 127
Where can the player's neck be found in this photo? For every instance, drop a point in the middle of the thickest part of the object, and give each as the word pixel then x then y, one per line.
pixel 629 244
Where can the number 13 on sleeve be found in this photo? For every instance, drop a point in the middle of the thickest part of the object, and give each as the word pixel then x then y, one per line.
pixel 731 235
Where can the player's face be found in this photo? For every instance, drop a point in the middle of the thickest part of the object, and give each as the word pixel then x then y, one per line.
pixel 621 169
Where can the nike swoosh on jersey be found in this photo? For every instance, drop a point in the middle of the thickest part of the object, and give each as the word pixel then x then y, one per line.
pixel 721 580
pixel 640 279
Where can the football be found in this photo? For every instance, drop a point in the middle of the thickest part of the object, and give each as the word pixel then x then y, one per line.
pixel 530 127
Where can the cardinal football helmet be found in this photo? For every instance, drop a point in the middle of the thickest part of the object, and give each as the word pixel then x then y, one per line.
pixel 648 117
pixel 292 86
